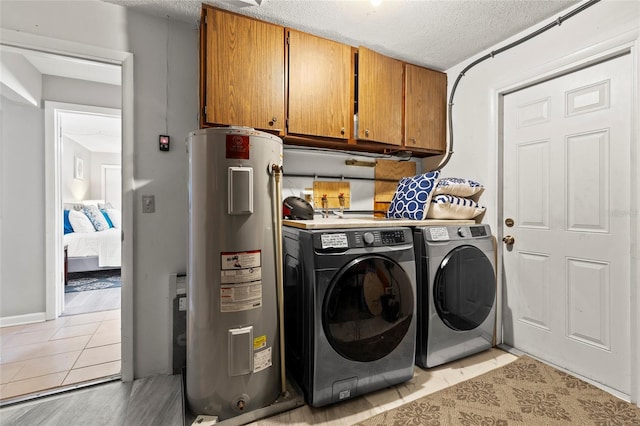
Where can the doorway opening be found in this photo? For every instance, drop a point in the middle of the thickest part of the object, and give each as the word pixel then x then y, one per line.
pixel 93 348
pixel 90 136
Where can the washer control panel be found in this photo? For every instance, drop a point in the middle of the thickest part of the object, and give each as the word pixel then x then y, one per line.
pixel 343 239
pixel 448 233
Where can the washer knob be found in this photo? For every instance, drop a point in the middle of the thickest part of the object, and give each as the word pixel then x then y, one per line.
pixel 368 238
pixel 462 232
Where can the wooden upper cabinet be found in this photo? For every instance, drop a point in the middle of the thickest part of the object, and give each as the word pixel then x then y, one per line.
pixel 243 72
pixel 425 108
pixel 320 86
pixel 379 98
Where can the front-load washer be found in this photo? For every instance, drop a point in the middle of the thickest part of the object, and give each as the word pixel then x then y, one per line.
pixel 349 304
pixel 456 287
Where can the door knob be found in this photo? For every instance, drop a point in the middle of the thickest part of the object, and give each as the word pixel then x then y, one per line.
pixel 509 240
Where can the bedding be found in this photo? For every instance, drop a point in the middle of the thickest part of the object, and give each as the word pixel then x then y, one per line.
pixel 92 237
pixel 105 245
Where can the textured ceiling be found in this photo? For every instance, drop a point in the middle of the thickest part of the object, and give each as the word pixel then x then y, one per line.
pixel 434 33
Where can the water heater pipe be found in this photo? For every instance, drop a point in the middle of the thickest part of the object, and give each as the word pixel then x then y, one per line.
pixel 277 204
pixel 492 54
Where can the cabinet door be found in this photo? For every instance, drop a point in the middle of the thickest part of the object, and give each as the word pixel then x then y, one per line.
pixel 425 108
pixel 319 86
pixel 379 97
pixel 244 72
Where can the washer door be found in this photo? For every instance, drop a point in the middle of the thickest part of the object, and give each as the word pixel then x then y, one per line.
pixel 368 308
pixel 464 288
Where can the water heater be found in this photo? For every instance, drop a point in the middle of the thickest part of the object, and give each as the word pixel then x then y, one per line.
pixel 232 321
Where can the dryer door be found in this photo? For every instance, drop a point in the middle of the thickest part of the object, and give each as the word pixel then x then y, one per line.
pixel 464 288
pixel 368 308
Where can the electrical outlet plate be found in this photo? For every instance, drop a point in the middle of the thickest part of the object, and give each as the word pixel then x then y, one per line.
pixel 182 304
pixel 148 203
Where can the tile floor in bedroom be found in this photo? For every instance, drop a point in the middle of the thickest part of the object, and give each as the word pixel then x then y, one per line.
pixel 58 353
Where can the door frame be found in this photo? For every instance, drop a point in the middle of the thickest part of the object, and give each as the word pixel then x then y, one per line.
pixel 125 61
pixel 103 171
pixel 626 43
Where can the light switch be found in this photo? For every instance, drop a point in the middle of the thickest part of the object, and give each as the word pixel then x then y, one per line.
pixel 148 203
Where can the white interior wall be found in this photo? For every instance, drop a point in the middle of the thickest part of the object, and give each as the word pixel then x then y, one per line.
pixel 301 161
pixel 98 159
pixel 81 92
pixel 73 189
pixel 20 81
pixel 22 290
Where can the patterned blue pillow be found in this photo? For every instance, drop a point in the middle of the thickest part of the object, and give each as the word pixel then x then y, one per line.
pixel 68 229
pixel 96 217
pixel 460 187
pixel 412 197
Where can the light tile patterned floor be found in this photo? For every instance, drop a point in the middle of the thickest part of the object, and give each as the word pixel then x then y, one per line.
pixel 62 352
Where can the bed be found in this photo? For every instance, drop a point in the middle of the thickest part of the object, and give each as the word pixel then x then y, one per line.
pixel 90 251
pixel 89 248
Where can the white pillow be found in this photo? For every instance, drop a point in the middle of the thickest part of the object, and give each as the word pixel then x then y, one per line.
pixel 80 222
pixel 114 216
pixel 460 187
pixel 445 206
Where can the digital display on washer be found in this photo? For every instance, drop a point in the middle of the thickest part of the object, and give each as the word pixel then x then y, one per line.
pixel 478 231
pixel 392 237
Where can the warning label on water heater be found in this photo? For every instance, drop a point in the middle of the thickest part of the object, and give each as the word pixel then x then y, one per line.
pixel 262 360
pixel 240 281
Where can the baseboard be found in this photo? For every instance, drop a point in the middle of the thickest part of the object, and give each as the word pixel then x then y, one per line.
pixel 23 319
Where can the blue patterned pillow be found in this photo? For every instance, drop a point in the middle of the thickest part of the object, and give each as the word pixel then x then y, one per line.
pixel 96 217
pixel 412 197
pixel 460 187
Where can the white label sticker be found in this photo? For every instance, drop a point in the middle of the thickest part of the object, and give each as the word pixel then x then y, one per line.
pixel 234 298
pixel 240 260
pixel 240 281
pixel 439 234
pixel 334 241
pixel 241 275
pixel 262 360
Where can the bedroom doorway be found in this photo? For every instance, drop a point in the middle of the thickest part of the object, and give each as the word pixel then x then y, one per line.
pixel 92 136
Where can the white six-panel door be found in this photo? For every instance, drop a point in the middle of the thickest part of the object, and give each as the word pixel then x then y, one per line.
pixel 567 190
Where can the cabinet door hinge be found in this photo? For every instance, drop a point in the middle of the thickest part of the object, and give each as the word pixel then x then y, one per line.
pixel 288 35
pixel 204 111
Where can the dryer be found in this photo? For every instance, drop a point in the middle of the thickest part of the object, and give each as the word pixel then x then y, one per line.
pixel 456 287
pixel 349 302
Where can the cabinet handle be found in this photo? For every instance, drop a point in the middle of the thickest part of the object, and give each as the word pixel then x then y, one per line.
pixel 366 132
pixel 342 131
pixel 274 119
pixel 413 140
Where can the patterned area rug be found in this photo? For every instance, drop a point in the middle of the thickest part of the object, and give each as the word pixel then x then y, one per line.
pixel 524 392
pixel 93 280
